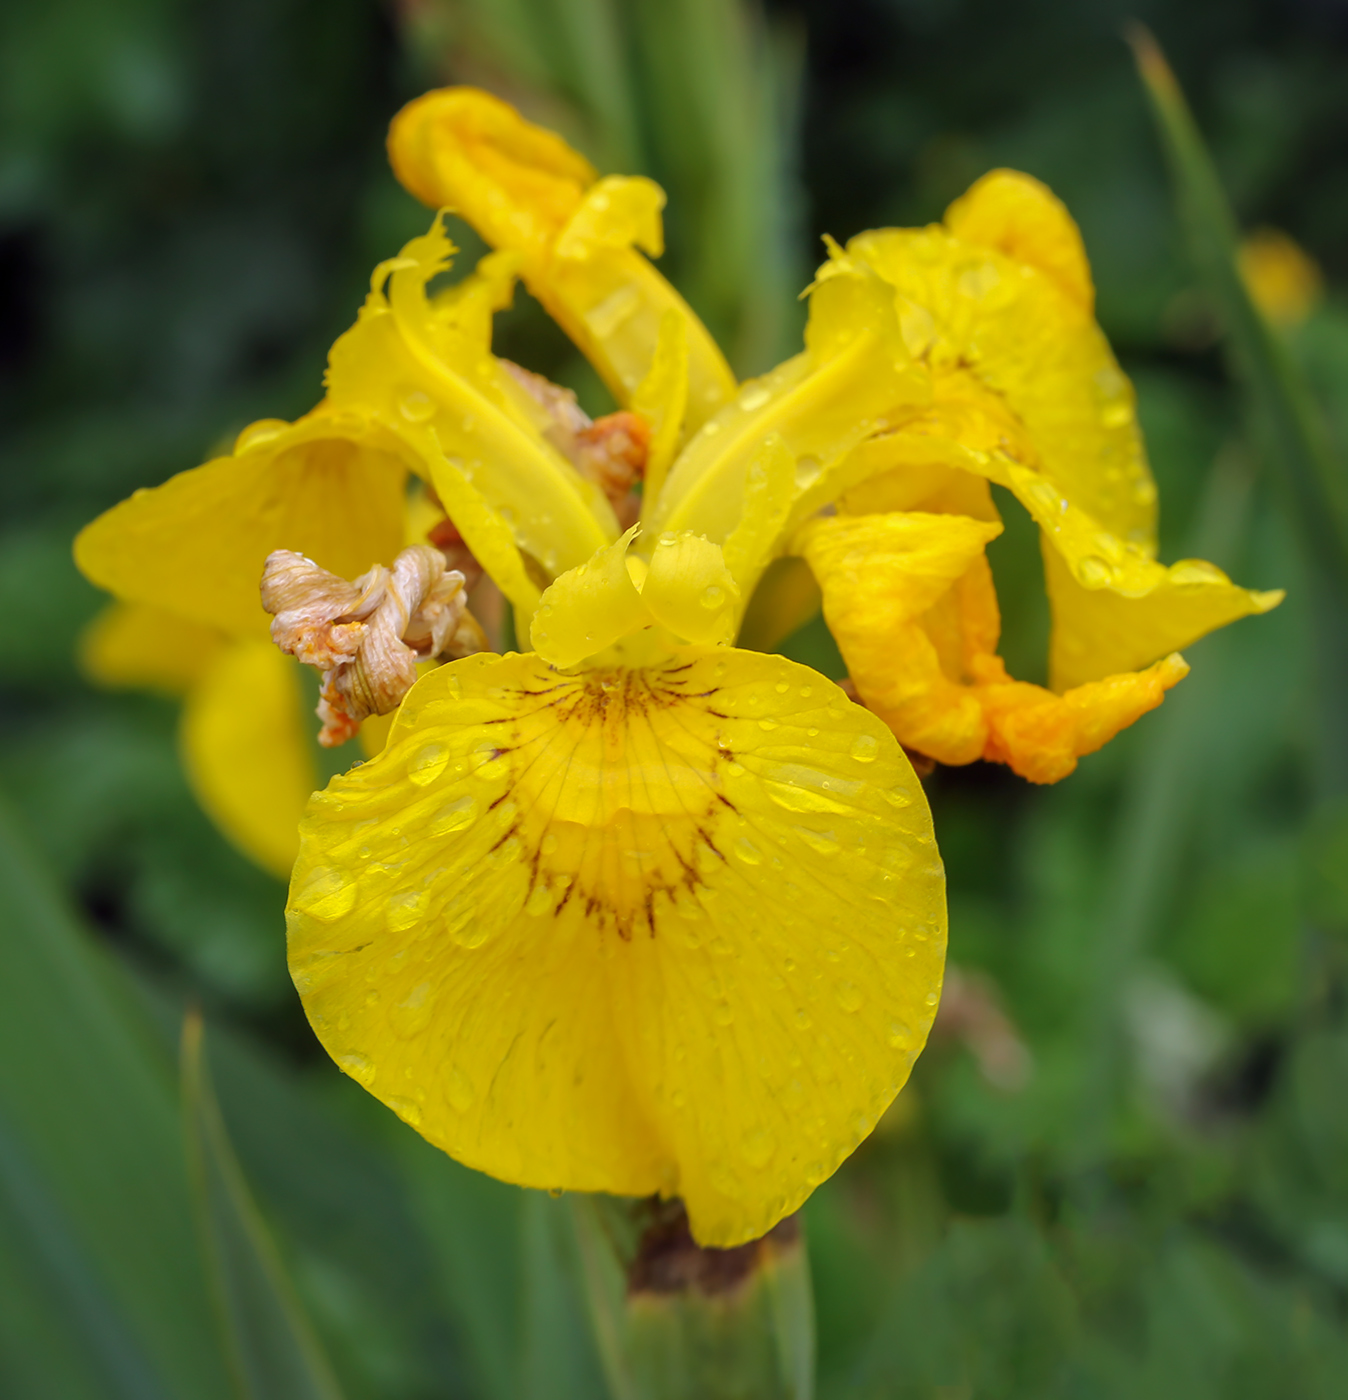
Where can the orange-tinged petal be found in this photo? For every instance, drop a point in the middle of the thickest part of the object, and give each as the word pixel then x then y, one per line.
pixel 1041 735
pixel 523 188
pixel 144 648
pixel 1019 216
pixel 910 600
pixel 672 930
pixel 330 486
pixel 880 575
pixel 247 753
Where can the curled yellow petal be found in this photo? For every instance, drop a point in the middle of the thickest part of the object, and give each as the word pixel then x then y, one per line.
pixel 1115 608
pixel 673 930
pixel 468 423
pixel 910 600
pixel 247 753
pixel 880 575
pixel 589 608
pixel 523 188
pixel 136 646
pixel 855 374
pixel 330 486
pixel 689 590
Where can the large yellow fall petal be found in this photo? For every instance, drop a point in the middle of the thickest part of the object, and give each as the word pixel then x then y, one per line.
pixel 523 188
pixel 134 645
pixel 330 486
pixel 672 930
pixel 246 751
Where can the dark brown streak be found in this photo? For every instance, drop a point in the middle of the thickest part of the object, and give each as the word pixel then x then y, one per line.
pixel 512 830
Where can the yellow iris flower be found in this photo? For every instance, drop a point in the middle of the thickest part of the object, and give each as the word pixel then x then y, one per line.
pixel 640 911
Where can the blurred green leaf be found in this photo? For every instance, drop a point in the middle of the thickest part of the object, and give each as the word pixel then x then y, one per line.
pixel 272 1345
pixel 1285 417
pixel 95 1201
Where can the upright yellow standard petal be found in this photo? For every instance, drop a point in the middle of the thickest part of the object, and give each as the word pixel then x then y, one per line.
pixel 672 930
pixel 524 188
pixel 1019 216
pixel 330 486
pixel 246 751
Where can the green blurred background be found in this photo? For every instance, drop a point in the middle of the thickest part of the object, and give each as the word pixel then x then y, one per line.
pixel 1122 1166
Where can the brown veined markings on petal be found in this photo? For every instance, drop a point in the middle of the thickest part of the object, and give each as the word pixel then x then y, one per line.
pixel 553 1052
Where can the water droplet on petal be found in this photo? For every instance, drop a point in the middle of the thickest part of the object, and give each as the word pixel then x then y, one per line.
pixel 712 597
pixel 360 1067
pixel 754 397
pixel 758 1148
pixel 848 995
pixel 453 816
pixel 416 406
pixel 747 851
pixel 865 748
pixel 459 1091
pixel 406 1109
pixel 326 894
pixel 426 765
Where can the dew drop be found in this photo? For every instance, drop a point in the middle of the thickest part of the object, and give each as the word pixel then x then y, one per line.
pixel 899 1035
pixel 747 851
pixel 1094 572
pixel 932 998
pixel 722 1013
pixel 754 397
pixel 360 1067
pixel 454 816
pixel 865 748
pixel 781 687
pixel 712 596
pixel 406 1109
pixel 404 909
pixel 848 995
pixel 539 901
pixel 416 406
pixel 426 765
pixel 410 1016
pixel 758 1148
pixel 459 1091
pixel 547 845
pixel 326 894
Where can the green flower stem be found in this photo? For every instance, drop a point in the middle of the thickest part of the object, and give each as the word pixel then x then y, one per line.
pixel 1284 417
pixel 678 1322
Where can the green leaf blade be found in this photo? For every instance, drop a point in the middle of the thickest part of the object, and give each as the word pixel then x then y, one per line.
pixel 273 1349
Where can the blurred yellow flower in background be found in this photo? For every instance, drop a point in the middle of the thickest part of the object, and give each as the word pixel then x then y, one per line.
pixel 1283 279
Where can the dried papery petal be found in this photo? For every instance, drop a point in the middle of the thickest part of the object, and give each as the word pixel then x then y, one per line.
pixel 610 451
pixel 367 636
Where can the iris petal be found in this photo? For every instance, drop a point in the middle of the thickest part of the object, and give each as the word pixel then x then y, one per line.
pixel 677 929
